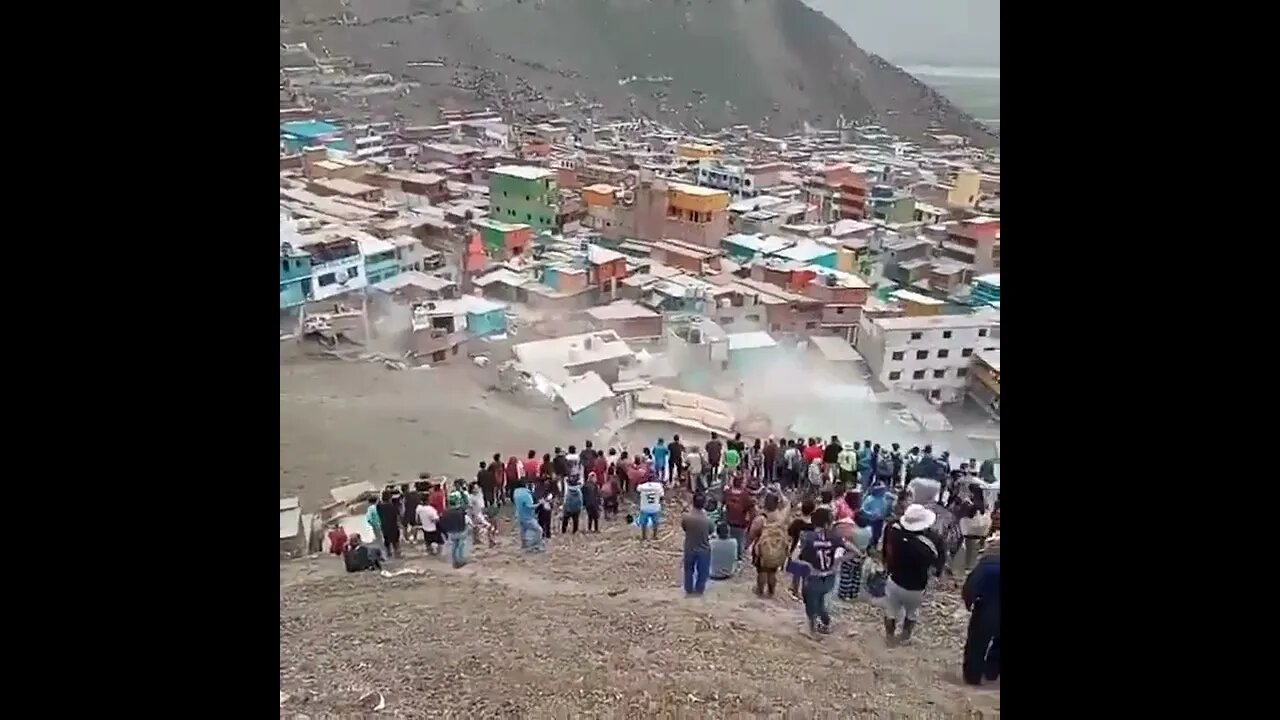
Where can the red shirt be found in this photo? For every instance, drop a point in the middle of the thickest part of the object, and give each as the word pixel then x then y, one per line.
pixel 499 474
pixel 532 467
pixel 811 453
pixel 436 500
pixel 337 541
pixel 600 466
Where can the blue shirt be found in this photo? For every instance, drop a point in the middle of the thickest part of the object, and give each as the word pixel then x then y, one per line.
pixel 819 552
pixel 524 504
pixel 864 459
pixel 877 506
pixel 660 455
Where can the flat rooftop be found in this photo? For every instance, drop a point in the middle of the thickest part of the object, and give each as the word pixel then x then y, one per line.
pixel 524 172
pixel 620 310
pixel 939 322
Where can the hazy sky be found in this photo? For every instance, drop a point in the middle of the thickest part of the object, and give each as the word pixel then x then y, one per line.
pixel 921 32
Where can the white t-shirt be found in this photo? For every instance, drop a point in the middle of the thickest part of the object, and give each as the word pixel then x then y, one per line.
pixel 650 496
pixel 427 517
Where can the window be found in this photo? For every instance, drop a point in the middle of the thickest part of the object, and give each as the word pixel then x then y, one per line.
pixel 438 356
pixel 922 354
pixel 916 335
pixel 942 354
pixel 989 349
pixel 810 325
pixel 961 372
pixel 726 320
pixel 839 311
pixel 327 279
pixel 935 394
pixel 526 198
pixel 353 273
pixel 946 334
pixel 752 318
pixel 966 352
pixel 284 265
pixel 528 217
pixel 982 332
pixel 895 375
pixel 504 193
pixel 939 374
pixel 918 375
pixel 899 355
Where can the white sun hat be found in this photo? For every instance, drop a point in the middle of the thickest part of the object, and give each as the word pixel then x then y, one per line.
pixel 917 518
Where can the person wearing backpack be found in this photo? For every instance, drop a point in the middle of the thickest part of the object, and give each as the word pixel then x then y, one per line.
pixel 769 544
pixel 571 507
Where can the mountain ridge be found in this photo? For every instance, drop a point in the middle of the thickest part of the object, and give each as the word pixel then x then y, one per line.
pixel 713 63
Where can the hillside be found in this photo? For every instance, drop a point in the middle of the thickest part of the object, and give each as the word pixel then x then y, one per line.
pixel 709 62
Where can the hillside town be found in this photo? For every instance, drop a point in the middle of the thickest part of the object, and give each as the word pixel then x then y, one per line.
pixel 485 286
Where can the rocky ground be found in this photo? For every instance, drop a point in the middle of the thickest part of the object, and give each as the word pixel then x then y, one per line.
pixel 596 625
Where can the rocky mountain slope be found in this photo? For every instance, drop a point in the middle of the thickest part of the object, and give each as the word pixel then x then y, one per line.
pixel 707 63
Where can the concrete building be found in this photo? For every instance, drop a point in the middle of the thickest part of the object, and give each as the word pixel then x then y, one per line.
pixel 524 194
pixel 929 354
pixel 742 181
pixel 295 276
pixel 887 203
pixel 657 209
pixel 415 287
pixel 559 359
pixel 631 321
pixel 986 289
pixel 974 242
pixel 963 188
pixel 984 381
pixel 837 192
pixel 380 261
pixel 336 263
pixel 296 135
pixel 503 240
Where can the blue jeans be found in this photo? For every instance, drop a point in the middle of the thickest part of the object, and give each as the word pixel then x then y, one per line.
pixel 815 591
pixel 739 534
pixel 697 565
pixel 530 535
pixel 458 548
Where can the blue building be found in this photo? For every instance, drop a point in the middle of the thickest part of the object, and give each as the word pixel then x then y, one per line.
pixel 484 317
pixel 295 276
pixel 299 134
pixel 741 248
pixel 986 289
pixel 810 252
pixel 380 259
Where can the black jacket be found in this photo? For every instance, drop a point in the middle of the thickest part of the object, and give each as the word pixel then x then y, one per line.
pixel 912 554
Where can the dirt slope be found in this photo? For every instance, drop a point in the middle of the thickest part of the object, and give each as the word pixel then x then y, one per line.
pixel 549 636
pixel 729 61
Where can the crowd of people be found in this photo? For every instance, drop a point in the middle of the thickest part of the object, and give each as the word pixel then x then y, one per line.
pixel 836 518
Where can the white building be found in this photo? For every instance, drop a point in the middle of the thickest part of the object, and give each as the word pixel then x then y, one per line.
pixel 336 263
pixel 929 354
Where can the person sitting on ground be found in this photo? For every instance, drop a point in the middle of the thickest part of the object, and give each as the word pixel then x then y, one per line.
pixel 724 554
pixel 361 556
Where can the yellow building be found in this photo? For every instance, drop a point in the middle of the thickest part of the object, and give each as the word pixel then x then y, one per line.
pixel 694 152
pixel 965 188
pixel 695 200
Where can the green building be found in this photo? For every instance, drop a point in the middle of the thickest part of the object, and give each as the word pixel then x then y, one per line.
pixel 524 194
